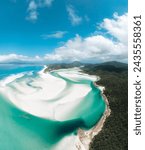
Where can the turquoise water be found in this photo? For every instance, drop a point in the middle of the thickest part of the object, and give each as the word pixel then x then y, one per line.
pixel 20 130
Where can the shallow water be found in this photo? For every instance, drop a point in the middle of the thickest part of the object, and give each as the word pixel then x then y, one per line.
pixel 31 120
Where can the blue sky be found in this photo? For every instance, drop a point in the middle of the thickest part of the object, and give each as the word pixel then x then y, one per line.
pixel 40 28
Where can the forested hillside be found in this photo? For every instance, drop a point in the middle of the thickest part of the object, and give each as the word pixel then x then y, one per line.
pixel 114 135
pixel 114 76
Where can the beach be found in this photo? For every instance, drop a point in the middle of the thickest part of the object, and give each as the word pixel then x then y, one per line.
pixel 65 98
pixel 85 137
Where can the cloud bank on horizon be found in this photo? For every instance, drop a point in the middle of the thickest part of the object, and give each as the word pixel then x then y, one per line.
pixel 109 40
pixel 94 48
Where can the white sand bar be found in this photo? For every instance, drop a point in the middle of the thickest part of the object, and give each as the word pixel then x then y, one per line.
pixel 48 96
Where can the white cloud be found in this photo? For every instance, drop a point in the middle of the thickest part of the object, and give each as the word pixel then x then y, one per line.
pixel 33 16
pixel 97 48
pixel 44 3
pixel 117 27
pixel 74 18
pixel 32 11
pixel 94 48
pixel 57 34
pixel 33 7
pixel 10 58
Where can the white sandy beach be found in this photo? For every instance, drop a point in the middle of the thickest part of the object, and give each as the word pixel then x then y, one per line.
pixel 45 96
pixel 85 137
pixel 50 97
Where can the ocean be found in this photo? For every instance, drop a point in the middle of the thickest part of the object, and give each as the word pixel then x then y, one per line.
pixel 43 111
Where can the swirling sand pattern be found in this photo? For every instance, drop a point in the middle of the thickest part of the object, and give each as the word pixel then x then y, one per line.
pixel 43 111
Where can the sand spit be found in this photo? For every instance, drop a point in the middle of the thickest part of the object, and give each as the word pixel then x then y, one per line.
pixel 85 137
pixel 46 96
pixel 55 98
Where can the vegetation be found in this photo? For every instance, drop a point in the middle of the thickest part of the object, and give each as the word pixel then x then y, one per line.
pixel 114 135
pixel 114 76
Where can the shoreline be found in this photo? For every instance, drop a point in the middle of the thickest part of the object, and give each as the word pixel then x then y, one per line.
pixel 86 137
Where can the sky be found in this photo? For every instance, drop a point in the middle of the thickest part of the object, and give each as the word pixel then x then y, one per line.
pixel 63 30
